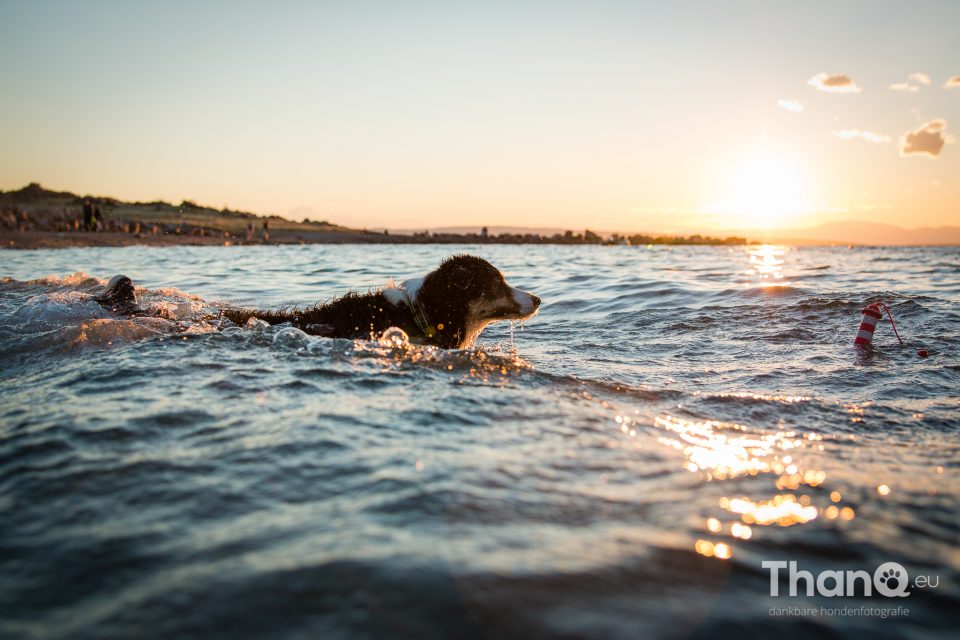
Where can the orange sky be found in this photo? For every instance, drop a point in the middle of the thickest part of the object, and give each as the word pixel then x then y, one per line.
pixel 686 117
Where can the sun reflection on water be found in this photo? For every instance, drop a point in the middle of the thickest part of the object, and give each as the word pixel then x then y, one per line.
pixel 723 451
pixel 783 509
pixel 720 450
pixel 766 263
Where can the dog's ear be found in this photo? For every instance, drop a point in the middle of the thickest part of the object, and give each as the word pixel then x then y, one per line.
pixel 463 277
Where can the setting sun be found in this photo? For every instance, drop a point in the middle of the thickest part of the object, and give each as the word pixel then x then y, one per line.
pixel 764 190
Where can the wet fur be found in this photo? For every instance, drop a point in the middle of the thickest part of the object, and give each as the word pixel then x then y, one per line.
pixel 352 316
pixel 461 297
pixel 454 303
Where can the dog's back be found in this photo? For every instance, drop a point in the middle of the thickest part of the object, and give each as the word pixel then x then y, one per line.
pixel 352 316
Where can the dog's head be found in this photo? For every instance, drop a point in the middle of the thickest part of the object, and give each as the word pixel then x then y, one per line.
pixel 465 294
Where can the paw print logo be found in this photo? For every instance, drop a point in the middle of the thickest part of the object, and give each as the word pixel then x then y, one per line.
pixel 890 579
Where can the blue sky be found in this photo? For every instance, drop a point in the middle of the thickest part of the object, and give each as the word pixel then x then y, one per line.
pixel 617 115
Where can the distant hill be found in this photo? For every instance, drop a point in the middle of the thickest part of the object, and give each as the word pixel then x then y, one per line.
pixel 34 192
pixel 46 209
pixel 864 232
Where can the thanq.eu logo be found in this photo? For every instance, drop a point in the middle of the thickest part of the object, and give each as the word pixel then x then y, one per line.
pixel 890 579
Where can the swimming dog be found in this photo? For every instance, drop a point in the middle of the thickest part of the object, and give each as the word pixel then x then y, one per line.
pixel 449 307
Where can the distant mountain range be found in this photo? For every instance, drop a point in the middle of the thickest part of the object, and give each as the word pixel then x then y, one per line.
pixel 860 232
pixel 840 232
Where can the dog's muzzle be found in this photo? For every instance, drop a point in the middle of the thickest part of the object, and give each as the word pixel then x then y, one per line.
pixel 528 302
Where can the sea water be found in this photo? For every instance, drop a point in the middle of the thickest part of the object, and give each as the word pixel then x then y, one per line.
pixel 674 418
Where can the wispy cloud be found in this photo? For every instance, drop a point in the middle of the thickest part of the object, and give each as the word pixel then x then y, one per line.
pixel 904 86
pixel 790 105
pixel 927 140
pixel 834 83
pixel 952 83
pixel 869 136
pixel 918 78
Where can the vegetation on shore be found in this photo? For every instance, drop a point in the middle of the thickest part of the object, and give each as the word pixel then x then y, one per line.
pixel 34 211
pixel 34 208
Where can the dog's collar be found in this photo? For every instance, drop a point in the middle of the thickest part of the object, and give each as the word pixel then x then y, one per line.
pixel 419 315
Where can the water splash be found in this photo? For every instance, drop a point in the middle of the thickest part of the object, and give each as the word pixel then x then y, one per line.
pixel 395 338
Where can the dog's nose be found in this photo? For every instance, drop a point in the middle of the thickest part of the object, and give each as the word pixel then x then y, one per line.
pixel 536 301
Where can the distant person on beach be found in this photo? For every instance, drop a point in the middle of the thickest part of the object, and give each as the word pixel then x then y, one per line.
pixel 87 215
pixel 249 232
pixel 266 231
pixel 97 219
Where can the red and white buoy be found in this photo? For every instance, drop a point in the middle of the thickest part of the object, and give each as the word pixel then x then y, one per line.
pixel 868 324
pixel 871 315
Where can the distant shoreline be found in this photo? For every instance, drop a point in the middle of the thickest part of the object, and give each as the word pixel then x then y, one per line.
pixel 38 218
pixel 26 240
pixel 32 239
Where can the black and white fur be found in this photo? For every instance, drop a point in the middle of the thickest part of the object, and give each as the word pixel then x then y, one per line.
pixel 448 308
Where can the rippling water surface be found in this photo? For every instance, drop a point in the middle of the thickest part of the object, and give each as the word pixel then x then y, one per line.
pixel 618 467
